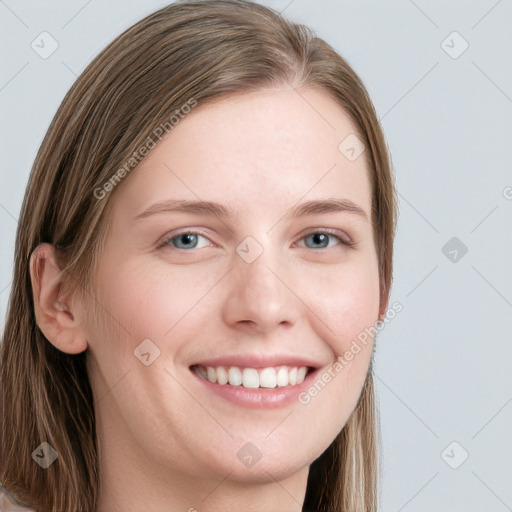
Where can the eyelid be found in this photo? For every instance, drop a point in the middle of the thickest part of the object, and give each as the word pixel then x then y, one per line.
pixel 344 240
pixel 185 231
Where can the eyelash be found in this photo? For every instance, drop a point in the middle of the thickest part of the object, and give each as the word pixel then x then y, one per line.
pixel 166 243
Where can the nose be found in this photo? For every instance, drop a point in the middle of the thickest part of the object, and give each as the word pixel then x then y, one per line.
pixel 259 296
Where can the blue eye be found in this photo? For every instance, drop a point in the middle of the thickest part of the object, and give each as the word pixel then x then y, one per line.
pixel 187 240
pixel 321 238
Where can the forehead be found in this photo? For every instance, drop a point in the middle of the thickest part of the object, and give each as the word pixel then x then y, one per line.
pixel 269 147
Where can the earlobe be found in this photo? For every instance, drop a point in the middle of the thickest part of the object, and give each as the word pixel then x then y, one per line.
pixel 57 314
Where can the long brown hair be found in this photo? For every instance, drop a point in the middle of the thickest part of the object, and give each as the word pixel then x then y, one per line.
pixel 201 50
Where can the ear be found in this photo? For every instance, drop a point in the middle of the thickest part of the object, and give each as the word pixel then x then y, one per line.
pixel 57 315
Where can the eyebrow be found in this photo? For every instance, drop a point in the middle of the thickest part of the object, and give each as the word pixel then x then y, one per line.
pixel 223 212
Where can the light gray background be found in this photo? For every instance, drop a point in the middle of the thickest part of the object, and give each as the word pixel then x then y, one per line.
pixel 443 364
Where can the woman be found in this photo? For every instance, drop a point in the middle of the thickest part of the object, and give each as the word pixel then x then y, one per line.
pixel 207 230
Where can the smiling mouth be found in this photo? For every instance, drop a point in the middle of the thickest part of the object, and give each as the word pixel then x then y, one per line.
pixel 253 378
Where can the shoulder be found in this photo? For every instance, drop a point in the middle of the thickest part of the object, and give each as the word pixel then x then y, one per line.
pixel 9 504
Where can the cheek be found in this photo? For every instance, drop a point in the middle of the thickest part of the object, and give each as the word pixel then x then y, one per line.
pixel 334 393
pixel 138 302
pixel 344 302
pixel 344 309
pixel 146 301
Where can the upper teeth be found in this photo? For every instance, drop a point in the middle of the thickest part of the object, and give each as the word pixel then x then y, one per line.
pixel 270 377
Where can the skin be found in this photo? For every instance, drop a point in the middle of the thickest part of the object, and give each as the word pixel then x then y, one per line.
pixel 164 439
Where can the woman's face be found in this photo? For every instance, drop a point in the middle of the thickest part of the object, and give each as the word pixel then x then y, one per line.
pixel 262 287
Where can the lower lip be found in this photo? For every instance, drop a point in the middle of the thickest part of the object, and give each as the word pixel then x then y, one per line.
pixel 259 398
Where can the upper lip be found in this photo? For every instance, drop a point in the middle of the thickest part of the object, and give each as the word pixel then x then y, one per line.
pixel 259 361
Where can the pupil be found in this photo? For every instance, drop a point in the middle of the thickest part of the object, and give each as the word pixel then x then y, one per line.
pixel 187 239
pixel 319 236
